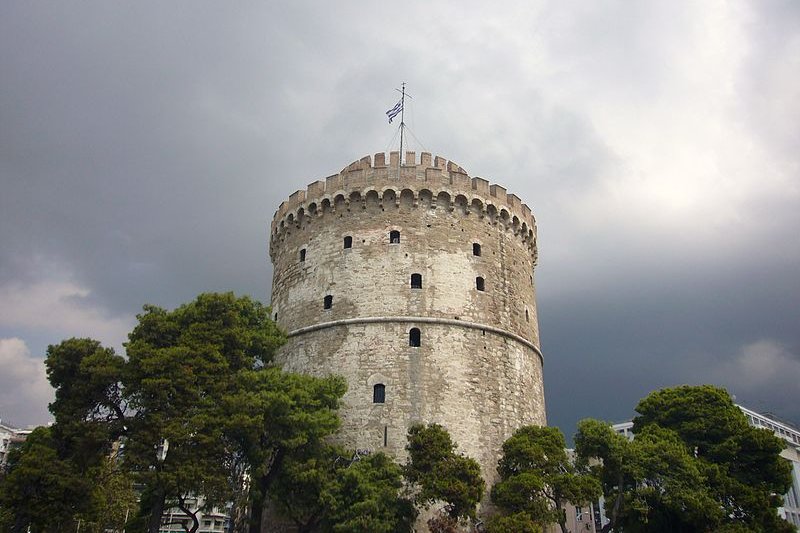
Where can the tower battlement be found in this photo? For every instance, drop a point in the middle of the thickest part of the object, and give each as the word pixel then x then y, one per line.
pixel 435 179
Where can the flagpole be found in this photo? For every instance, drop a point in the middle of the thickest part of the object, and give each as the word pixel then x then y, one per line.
pixel 402 122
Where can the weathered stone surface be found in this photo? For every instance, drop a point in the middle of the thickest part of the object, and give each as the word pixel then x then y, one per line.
pixel 478 370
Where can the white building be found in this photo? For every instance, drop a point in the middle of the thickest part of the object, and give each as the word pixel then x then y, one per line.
pixel 213 521
pixel 10 437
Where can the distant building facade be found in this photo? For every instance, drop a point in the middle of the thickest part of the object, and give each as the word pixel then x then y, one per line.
pixel 10 437
pixel 214 521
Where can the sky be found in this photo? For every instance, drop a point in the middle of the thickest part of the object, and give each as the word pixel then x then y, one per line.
pixel 145 146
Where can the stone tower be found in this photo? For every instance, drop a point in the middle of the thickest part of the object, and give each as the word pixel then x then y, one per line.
pixel 415 282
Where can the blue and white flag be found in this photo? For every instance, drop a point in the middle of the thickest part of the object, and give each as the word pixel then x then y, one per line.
pixel 393 112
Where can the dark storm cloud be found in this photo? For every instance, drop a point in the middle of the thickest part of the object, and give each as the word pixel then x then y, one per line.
pixel 145 147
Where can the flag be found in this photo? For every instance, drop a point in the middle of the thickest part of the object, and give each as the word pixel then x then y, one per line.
pixel 394 111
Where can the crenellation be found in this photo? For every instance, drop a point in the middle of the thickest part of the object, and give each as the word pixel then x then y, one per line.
pixel 443 175
pixel 315 189
pixel 480 185
pixel 498 192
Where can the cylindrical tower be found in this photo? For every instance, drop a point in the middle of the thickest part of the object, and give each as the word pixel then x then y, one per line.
pixel 414 282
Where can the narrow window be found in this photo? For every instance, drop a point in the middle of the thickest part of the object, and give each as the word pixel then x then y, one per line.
pixel 328 302
pixel 414 337
pixel 476 249
pixel 416 281
pixel 379 393
pixel 480 284
pixel 302 255
pixel 394 237
pixel 385 435
pixel 527 316
pixel 348 242
pixel 276 318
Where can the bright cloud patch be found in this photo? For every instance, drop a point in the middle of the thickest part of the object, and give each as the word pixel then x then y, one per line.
pixel 24 389
pixel 61 309
pixel 762 364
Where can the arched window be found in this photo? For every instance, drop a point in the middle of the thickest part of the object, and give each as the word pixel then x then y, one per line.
pixel 416 281
pixel 302 255
pixel 476 249
pixel 379 393
pixel 480 284
pixel 328 302
pixel 414 337
pixel 394 237
pixel 348 242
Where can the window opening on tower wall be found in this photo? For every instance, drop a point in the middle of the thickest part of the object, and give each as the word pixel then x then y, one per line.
pixel 527 316
pixel 394 237
pixel 476 249
pixel 302 255
pixel 379 393
pixel 414 337
pixel 480 284
pixel 327 302
pixel 416 281
pixel 348 242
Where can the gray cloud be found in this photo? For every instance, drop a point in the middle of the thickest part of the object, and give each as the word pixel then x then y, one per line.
pixel 144 148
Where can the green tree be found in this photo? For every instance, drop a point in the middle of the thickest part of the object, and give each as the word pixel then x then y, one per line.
pixel 41 491
pixel 336 490
pixel 441 474
pixel 89 409
pixel 537 478
pixel 89 416
pixel 694 464
pixel 182 367
pixel 744 470
pixel 113 499
pixel 275 416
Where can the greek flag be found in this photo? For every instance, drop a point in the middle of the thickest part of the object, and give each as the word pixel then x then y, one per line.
pixel 393 112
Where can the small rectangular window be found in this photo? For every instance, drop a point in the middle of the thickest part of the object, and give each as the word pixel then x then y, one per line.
pixel 379 393
pixel 302 255
pixel 394 237
pixel 348 242
pixel 327 302
pixel 476 249
pixel 416 281
pixel 480 284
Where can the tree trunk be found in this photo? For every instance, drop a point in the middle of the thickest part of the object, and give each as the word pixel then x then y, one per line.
pixel 156 511
pixel 20 524
pixel 257 506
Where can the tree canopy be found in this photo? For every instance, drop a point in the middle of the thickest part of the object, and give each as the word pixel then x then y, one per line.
pixel 537 479
pixel 439 473
pixel 694 464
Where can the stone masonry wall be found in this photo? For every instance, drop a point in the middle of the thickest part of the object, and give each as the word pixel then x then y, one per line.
pixel 478 369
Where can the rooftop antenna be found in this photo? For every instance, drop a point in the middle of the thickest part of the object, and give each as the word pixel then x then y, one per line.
pixel 400 108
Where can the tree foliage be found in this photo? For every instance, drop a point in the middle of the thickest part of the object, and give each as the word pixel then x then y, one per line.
pixel 441 474
pixel 537 479
pixel 182 367
pixel 694 464
pixel 337 490
pixel 42 491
